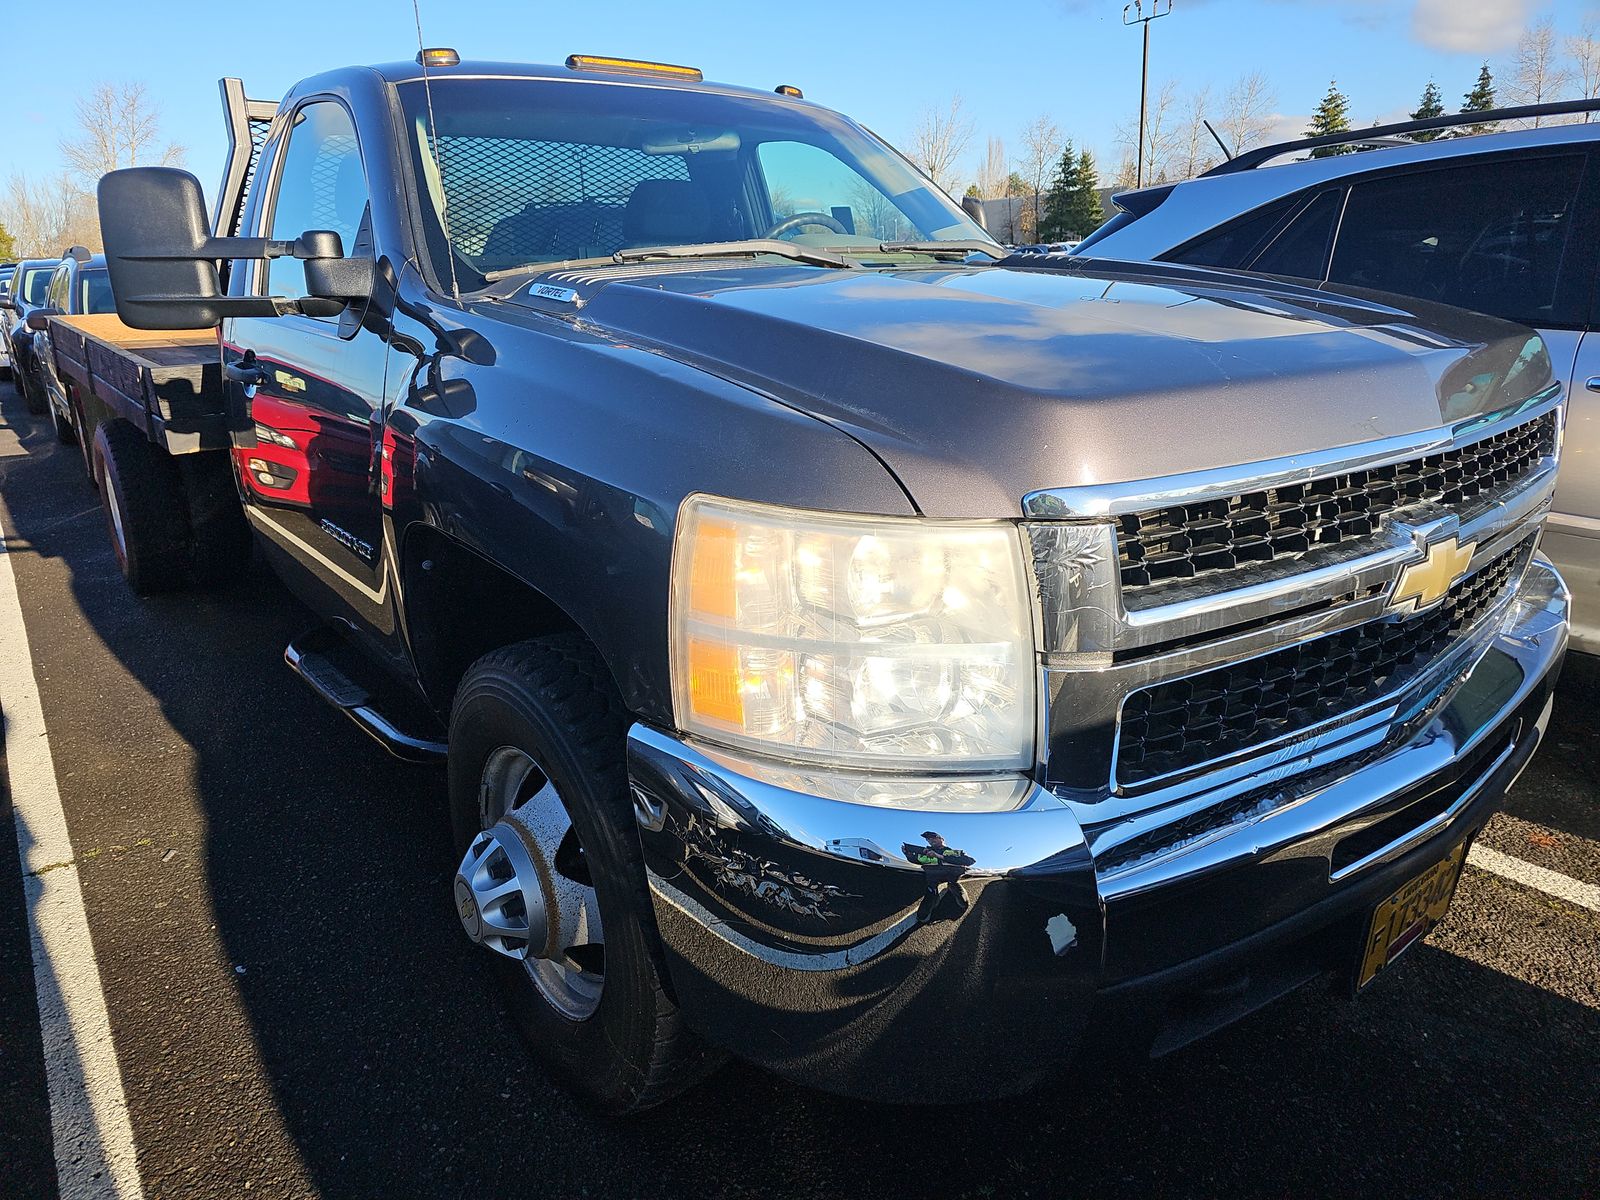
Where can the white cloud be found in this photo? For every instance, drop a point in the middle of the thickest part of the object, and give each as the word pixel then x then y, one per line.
pixel 1469 26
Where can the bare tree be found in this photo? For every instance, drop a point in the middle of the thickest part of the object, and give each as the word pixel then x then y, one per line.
pixel 1246 116
pixel 1161 134
pixel 46 216
pixel 992 174
pixel 1042 144
pixel 1126 174
pixel 939 140
pixel 1584 51
pixel 1538 76
pixel 1195 149
pixel 118 126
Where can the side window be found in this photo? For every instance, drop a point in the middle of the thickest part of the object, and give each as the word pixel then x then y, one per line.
pixel 59 283
pixel 1489 235
pixel 322 186
pixel 1300 249
pixel 1234 244
pixel 94 293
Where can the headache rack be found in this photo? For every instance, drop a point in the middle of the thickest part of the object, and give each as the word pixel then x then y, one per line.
pixel 248 122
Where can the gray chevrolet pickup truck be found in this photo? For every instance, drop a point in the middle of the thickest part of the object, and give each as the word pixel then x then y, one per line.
pixel 903 666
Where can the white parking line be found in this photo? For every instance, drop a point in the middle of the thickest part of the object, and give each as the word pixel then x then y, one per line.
pixel 88 1111
pixel 1552 883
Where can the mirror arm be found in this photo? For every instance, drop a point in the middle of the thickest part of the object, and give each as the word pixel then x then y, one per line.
pixel 312 245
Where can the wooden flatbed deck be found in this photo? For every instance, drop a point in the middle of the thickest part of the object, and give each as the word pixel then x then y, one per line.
pixel 167 383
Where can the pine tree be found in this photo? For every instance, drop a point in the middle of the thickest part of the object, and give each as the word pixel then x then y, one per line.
pixel 1083 212
pixel 1479 99
pixel 1432 106
pixel 1058 199
pixel 8 245
pixel 1332 116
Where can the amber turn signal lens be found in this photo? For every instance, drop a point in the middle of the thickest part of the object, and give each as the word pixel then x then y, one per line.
pixel 714 683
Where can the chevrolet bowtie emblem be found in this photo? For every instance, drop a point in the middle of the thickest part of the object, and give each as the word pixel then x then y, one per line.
pixel 1427 582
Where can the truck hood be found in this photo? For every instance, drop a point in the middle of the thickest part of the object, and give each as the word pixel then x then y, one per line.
pixel 977 385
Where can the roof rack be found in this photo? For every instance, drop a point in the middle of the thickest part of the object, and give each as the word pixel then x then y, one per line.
pixel 1389 135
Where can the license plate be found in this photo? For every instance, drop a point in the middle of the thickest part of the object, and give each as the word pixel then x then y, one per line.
pixel 1405 917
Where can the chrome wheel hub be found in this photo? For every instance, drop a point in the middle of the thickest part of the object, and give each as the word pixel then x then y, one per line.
pixel 523 888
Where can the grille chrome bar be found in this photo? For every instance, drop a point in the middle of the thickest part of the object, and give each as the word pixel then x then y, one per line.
pixel 1302 522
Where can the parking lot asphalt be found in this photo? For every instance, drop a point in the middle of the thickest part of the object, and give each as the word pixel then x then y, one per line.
pixel 295 1012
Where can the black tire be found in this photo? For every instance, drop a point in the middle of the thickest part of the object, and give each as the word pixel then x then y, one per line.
pixel 33 393
pixel 220 541
pixel 66 432
pixel 553 699
pixel 146 518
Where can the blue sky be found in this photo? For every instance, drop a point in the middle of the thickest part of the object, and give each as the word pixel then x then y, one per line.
pixel 882 63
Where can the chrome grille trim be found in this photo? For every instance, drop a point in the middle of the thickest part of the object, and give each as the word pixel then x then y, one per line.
pixel 1210 543
pixel 1085 699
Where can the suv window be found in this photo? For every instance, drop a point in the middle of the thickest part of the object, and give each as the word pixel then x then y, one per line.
pixel 322 186
pixel 94 293
pixel 59 282
pixel 35 285
pixel 1301 248
pixel 1233 244
pixel 1487 236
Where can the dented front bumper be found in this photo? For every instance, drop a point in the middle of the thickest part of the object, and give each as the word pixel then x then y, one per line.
pixel 802 933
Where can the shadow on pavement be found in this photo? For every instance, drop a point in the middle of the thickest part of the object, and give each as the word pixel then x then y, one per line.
pixel 386 1067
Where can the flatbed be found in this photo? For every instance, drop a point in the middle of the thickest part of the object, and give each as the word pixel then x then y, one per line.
pixel 168 383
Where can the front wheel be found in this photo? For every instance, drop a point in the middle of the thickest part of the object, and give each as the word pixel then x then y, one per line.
pixel 552 880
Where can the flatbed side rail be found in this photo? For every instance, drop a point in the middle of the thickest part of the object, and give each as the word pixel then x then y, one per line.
pixel 168 385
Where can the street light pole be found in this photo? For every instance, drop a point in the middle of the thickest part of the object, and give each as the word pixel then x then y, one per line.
pixel 1134 13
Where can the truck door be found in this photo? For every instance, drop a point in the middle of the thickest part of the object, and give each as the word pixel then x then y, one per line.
pixel 309 478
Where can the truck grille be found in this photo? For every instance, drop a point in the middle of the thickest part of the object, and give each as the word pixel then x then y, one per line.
pixel 1186 722
pixel 1182 541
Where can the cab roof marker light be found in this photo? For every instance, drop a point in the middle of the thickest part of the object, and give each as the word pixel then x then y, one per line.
pixel 438 56
pixel 788 89
pixel 631 66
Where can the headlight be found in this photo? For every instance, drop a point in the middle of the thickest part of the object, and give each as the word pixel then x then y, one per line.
pixel 895 643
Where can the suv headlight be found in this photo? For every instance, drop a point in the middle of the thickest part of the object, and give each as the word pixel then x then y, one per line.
pixel 893 643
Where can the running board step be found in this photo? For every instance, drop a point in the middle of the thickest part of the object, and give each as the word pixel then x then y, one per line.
pixel 315 657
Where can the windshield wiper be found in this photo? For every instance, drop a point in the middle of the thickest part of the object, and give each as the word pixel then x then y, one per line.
pixel 753 246
pixel 970 246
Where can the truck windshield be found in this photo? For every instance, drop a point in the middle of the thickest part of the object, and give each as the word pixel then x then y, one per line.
pixel 541 171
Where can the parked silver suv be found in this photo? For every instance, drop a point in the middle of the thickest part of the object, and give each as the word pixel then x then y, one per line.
pixel 1504 223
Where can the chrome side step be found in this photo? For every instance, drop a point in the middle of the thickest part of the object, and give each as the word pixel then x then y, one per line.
pixel 309 658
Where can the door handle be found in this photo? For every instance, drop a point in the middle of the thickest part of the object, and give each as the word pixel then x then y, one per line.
pixel 251 374
pixel 1592 383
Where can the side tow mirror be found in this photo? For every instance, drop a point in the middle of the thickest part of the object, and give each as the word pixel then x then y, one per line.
pixel 163 260
pixel 39 318
pixel 973 207
pixel 7 304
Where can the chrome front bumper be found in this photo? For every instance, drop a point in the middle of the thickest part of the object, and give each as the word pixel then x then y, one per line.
pixel 800 935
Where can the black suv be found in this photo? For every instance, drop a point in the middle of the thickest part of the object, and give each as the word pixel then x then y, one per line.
pixel 78 286
pixel 29 286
